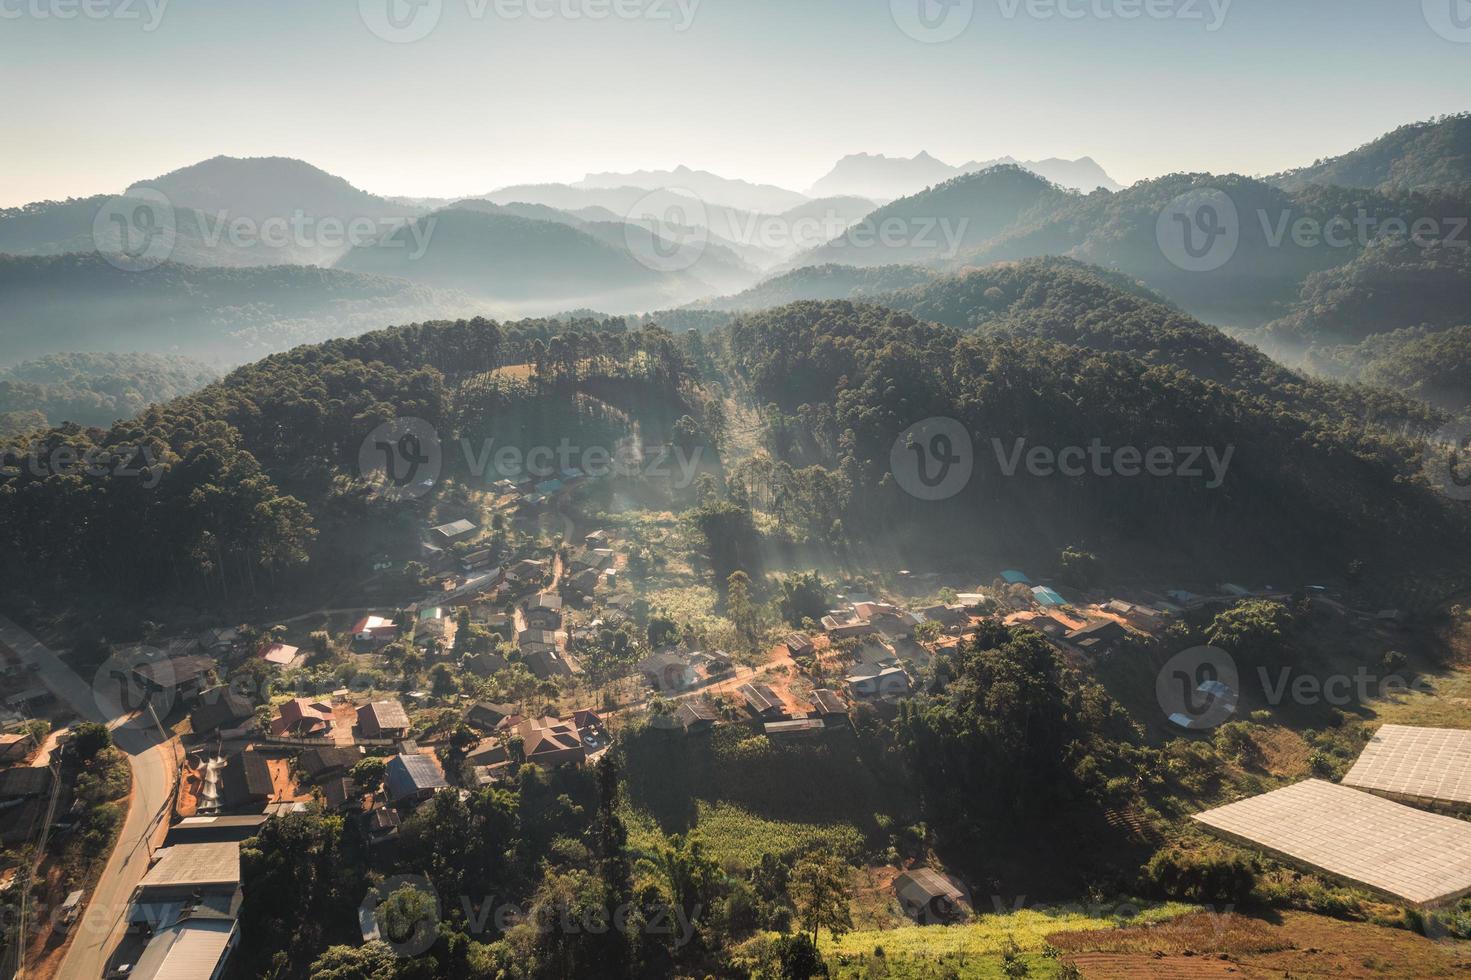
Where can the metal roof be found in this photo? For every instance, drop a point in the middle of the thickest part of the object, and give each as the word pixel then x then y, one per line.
pixel 1410 855
pixel 195 865
pixel 191 950
pixel 409 775
pixel 1431 765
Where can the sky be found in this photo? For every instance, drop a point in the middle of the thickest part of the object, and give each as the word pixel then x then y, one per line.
pixel 102 93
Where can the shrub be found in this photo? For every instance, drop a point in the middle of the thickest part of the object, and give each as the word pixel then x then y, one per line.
pixel 1211 874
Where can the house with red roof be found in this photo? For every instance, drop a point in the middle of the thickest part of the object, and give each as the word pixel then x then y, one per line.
pixel 303 718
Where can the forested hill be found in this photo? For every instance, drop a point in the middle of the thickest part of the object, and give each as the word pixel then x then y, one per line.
pixel 1083 306
pixel 819 282
pixel 1305 493
pixel 1394 284
pixel 247 487
pixel 263 187
pixel 936 225
pixel 98 389
pixel 1423 156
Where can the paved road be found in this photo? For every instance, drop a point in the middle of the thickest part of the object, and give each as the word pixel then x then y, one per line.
pixel 151 761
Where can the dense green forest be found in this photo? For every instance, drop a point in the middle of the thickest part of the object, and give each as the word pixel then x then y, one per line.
pixel 1065 301
pixel 1393 284
pixel 242 485
pixel 1423 156
pixel 98 389
pixel 846 380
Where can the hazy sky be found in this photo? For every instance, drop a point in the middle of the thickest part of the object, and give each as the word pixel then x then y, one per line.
pixel 769 90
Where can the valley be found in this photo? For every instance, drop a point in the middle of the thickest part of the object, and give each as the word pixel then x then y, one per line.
pixel 907 491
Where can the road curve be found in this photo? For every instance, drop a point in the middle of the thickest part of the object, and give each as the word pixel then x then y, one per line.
pixel 95 937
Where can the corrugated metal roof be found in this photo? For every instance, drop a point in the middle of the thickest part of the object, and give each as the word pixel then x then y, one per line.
pixel 191 950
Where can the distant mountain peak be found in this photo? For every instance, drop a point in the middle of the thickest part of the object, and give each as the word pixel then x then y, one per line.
pixel 709 187
pixel 889 178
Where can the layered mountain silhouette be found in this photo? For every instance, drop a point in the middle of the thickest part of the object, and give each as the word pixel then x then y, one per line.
pixel 886 178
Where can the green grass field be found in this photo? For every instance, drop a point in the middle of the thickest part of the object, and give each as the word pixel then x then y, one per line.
pixel 737 838
pixel 978 948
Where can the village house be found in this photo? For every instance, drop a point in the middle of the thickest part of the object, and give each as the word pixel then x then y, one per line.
pixel 489 615
pixel 829 707
pixel 24 783
pixel 341 794
pixel 329 761
pixel 527 571
pixel 488 716
pixel 376 631
pixel 412 778
pixel 186 906
pixel 489 753
pixel 15 747
pixel 215 830
pixel 456 531
pixel 696 715
pixel 799 645
pixel 949 617
pixel 382 825
pixel 794 728
pixel 484 664
pixel 223 713
pixel 878 682
pixel 303 718
pixel 599 559
pixel 219 641
pixel 887 618
pixel 1137 615
pixel 930 897
pixel 585 582
pixel 543 611
pixel 245 783
pixel 762 702
pixel 383 719
pixel 534 640
pixel 476 560
pixel 1099 637
pixel 279 655
pixel 551 741
pixel 597 539
pixel 546 663
pixel 431 633
pixel 840 624
pixel 180 677
pixel 667 670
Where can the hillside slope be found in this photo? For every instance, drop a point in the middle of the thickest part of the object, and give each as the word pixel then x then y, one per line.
pixel 1424 156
